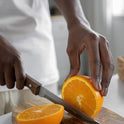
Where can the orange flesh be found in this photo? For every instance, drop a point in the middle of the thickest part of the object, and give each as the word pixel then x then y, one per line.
pixel 79 92
pixel 39 112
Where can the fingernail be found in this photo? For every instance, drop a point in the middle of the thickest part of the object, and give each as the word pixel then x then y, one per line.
pixel 98 80
pixel 99 85
pixel 96 85
pixel 104 92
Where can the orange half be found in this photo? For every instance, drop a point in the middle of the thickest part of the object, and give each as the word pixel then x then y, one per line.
pixel 79 92
pixel 43 114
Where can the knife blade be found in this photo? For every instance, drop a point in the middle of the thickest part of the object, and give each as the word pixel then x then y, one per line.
pixel 38 89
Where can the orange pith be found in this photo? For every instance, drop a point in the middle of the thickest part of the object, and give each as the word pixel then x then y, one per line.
pixel 79 92
pixel 43 114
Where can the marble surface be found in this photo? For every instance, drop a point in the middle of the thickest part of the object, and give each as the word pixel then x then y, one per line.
pixel 115 98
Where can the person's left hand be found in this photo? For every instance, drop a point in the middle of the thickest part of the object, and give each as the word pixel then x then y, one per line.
pixel 101 62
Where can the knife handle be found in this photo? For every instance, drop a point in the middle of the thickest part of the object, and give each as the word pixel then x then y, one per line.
pixel 32 84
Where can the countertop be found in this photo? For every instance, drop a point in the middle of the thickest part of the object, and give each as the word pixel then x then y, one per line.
pixel 115 98
pixel 113 101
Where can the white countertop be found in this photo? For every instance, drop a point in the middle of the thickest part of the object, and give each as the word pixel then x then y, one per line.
pixel 6 119
pixel 114 100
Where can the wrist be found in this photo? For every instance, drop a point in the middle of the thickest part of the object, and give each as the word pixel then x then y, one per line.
pixel 76 22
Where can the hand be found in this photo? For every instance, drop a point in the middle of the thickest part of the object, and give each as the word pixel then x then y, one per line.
pixel 10 66
pixel 101 62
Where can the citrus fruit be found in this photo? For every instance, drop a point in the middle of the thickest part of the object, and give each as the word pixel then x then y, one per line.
pixel 43 114
pixel 79 92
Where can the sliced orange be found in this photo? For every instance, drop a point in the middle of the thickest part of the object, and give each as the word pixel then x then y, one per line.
pixel 43 114
pixel 79 92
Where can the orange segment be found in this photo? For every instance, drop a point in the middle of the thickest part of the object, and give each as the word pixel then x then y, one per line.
pixel 43 114
pixel 79 92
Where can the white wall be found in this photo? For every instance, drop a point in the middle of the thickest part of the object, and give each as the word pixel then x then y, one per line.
pixel 118 37
pixel 116 34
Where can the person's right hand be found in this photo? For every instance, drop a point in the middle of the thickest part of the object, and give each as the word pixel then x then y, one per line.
pixel 10 66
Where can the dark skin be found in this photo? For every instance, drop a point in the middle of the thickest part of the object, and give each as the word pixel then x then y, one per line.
pixel 10 66
pixel 81 37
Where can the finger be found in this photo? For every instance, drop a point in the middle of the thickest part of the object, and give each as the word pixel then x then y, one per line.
pixel 108 66
pixel 19 74
pixel 74 57
pixel 2 81
pixel 95 62
pixel 9 76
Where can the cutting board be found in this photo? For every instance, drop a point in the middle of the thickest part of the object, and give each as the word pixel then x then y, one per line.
pixel 104 117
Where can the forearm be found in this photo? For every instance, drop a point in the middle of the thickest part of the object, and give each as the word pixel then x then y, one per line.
pixel 72 11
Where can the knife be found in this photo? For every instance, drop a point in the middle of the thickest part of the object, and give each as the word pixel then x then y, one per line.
pixel 38 89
